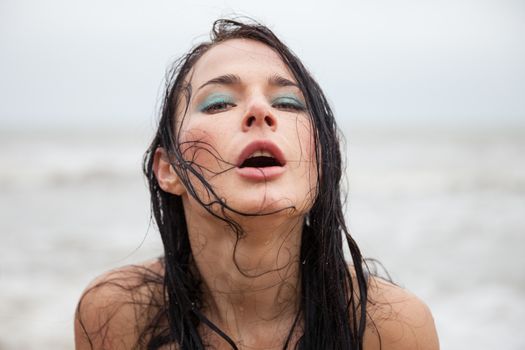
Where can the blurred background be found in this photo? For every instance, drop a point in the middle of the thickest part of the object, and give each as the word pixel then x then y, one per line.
pixel 430 96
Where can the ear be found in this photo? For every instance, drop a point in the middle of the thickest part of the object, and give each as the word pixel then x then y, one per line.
pixel 166 176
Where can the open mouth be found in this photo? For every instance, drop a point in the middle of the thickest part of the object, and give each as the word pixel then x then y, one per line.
pixel 260 159
pixel 261 154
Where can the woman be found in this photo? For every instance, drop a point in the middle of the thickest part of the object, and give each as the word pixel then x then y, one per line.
pixel 244 176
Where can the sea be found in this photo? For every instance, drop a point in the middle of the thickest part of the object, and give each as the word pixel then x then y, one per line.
pixel 442 209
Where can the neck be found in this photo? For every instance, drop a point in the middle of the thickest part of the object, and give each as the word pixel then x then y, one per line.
pixel 252 281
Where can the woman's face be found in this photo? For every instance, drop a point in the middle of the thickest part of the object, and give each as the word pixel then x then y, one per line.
pixel 246 130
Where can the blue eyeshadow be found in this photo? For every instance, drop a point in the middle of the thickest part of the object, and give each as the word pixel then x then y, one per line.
pixel 214 99
pixel 289 99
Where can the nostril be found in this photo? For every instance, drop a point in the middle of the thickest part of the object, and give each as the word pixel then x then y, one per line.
pixel 269 121
pixel 250 121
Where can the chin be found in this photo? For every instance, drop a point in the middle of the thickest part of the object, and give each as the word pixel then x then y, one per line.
pixel 266 204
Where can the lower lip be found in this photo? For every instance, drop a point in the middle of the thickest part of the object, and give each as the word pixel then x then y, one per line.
pixel 261 174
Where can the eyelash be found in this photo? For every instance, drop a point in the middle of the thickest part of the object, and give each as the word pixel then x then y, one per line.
pixel 217 107
pixel 291 105
pixel 288 105
pixel 285 104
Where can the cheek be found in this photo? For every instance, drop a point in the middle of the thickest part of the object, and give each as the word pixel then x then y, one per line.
pixel 199 148
pixel 307 165
pixel 309 147
pixel 306 142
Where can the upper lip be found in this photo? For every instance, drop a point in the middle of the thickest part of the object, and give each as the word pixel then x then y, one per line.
pixel 261 145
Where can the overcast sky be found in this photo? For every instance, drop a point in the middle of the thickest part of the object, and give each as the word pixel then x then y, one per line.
pixel 102 63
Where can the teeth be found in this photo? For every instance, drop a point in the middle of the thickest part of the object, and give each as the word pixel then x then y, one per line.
pixel 260 153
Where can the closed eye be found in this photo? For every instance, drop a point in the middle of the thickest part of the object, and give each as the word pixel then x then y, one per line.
pixel 217 107
pixel 288 103
pixel 216 103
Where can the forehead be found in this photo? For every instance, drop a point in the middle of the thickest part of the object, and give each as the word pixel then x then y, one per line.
pixel 244 57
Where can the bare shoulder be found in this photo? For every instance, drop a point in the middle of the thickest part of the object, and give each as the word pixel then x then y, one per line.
pixel 114 307
pixel 398 320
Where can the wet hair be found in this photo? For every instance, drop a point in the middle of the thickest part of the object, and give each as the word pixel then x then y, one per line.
pixel 333 295
pixel 332 318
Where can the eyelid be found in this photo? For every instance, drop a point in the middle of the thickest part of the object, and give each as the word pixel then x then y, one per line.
pixel 214 98
pixel 289 98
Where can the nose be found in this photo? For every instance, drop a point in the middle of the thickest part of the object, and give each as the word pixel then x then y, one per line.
pixel 259 115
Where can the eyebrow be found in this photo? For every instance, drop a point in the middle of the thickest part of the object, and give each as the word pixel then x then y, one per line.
pixel 228 79
pixel 277 80
pixel 233 79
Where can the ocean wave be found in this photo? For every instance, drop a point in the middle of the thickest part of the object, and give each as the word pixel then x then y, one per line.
pixel 64 160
